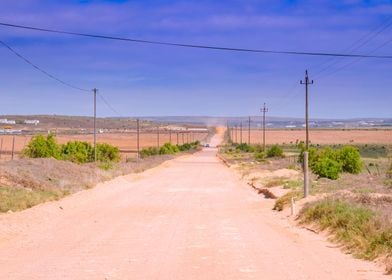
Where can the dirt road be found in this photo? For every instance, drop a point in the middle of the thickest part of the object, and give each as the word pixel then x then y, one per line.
pixel 190 218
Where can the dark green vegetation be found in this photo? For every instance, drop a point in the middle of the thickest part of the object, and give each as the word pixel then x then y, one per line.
pixel 75 151
pixel 330 163
pixel 360 229
pixel 168 149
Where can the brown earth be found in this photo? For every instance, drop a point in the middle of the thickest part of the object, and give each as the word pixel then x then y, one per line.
pixel 190 218
pixel 325 136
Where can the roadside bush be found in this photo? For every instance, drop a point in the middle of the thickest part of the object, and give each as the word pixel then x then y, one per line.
pixel 168 149
pixel 350 159
pixel 77 151
pixel 259 156
pixel 245 148
pixel 275 151
pixel 327 167
pixel 147 152
pixel 107 152
pixel 389 172
pixel 42 147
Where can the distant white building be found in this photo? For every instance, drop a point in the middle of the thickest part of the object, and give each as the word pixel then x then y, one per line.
pixel 34 122
pixel 6 121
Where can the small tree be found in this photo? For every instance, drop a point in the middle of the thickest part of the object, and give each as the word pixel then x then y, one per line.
pixel 328 168
pixel 107 152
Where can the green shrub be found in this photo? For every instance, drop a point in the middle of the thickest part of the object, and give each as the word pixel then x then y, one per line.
pixel 245 148
pixel 147 152
pixel 77 151
pixel 107 152
pixel 168 149
pixel 259 156
pixel 350 159
pixel 327 167
pixel 42 147
pixel 275 151
pixel 389 172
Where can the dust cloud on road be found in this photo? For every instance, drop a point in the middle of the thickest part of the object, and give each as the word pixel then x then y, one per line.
pixel 190 218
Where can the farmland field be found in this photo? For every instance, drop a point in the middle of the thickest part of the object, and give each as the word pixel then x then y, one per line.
pixel 319 136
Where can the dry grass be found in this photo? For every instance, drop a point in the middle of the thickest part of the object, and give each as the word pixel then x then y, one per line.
pixel 28 182
pixel 360 229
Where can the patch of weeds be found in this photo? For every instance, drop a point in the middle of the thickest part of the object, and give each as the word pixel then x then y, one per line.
pixel 106 165
pixel 293 184
pixel 275 182
pixel 17 199
pixel 285 200
pixel 358 228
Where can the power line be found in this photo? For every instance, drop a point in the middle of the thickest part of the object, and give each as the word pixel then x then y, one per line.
pixel 41 70
pixel 362 41
pixel 209 47
pixel 109 105
pixel 57 79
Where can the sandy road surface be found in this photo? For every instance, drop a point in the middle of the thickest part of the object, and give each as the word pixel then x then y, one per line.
pixel 188 219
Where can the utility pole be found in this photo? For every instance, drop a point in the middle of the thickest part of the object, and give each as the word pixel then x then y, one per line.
pixel 95 124
pixel 177 137
pixel 249 131
pixel 236 137
pixel 13 147
pixel 306 83
pixel 241 132
pixel 264 110
pixel 306 154
pixel 158 136
pixel 170 136
pixel 138 137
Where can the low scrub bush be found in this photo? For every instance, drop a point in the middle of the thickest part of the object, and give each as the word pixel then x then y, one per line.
pixel 77 151
pixel 329 163
pixel 245 148
pixel 275 151
pixel 327 168
pixel 259 156
pixel 168 149
pixel 147 152
pixel 350 159
pixel 42 147
pixel 107 153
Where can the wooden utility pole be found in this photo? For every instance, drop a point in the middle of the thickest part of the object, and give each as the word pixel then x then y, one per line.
pixel 241 132
pixel 170 136
pixel 306 83
pixel 95 124
pixel 264 110
pixel 138 137
pixel 249 131
pixel 13 147
pixel 158 136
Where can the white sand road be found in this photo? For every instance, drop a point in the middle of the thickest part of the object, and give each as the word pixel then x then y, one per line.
pixel 190 218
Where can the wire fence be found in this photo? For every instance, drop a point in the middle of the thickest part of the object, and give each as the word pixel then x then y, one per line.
pixel 11 146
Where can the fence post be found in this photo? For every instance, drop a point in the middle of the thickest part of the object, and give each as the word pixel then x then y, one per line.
pixel 13 147
pixel 306 174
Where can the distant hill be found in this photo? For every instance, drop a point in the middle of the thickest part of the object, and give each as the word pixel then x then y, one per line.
pixel 272 122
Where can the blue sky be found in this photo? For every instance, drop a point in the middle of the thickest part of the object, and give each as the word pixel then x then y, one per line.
pixel 142 80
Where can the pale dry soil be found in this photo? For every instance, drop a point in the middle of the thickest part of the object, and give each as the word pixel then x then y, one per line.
pixel 190 218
